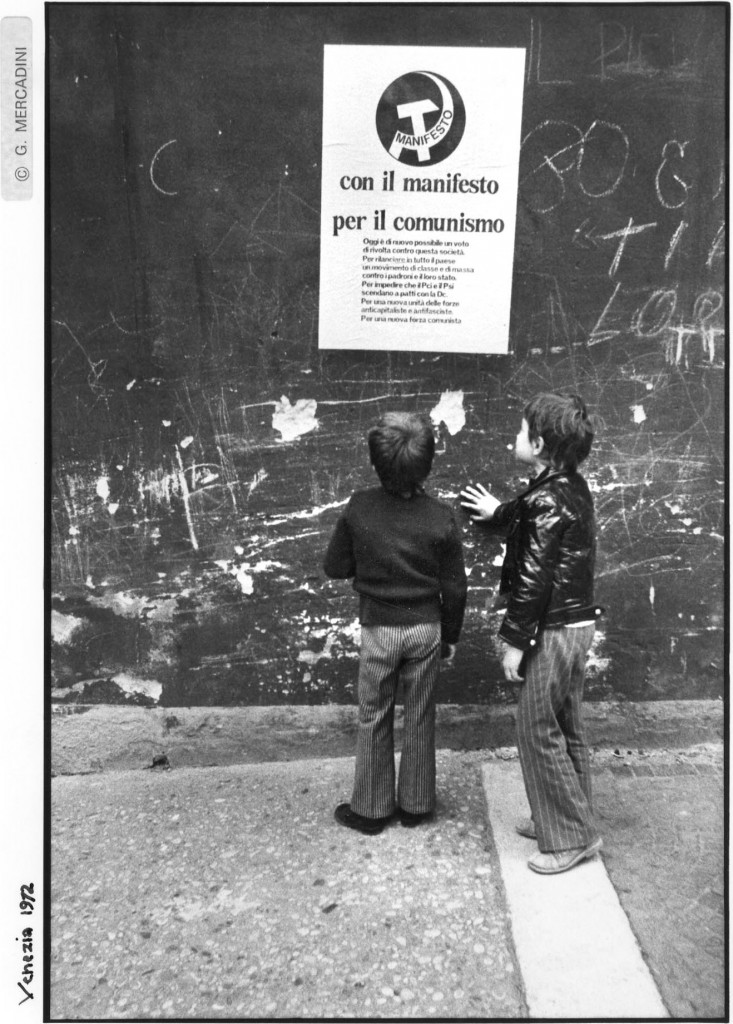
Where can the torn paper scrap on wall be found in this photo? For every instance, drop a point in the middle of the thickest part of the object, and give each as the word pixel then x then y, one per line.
pixel 294 420
pixel 450 411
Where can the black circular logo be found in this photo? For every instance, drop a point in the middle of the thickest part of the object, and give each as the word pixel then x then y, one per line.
pixel 420 118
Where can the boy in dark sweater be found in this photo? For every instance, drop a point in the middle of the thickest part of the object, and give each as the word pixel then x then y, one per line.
pixel 403 550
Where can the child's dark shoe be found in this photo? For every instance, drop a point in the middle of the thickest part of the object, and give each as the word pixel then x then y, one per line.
pixel 369 826
pixel 410 820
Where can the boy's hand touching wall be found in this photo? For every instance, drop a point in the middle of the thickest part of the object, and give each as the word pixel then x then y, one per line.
pixel 479 502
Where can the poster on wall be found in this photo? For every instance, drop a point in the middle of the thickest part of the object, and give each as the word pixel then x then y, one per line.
pixel 419 197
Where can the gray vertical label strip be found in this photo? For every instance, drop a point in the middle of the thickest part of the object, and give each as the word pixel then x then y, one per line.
pixel 16 111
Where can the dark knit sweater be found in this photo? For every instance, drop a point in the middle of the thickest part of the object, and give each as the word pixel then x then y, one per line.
pixel 406 558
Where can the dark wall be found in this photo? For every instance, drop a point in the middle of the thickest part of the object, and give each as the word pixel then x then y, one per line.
pixel 187 532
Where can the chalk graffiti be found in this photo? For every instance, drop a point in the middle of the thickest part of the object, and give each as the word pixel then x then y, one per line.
pixel 670 187
pixel 623 235
pixel 151 170
pixel 657 317
pixel 717 249
pixel 635 52
pixel 675 241
pixel 534 57
pixel 557 149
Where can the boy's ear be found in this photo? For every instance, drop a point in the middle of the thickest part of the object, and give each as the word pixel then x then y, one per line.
pixel 537 445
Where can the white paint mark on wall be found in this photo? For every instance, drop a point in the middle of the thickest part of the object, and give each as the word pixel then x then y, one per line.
pixel 313 657
pixel 186 442
pixel 450 411
pixel 131 684
pixel 239 572
pixel 499 560
pixel 596 662
pixel 122 603
pixel 256 480
pixel 294 420
pixel 103 487
pixel 652 595
pixel 638 413
pixel 63 627
pixel 243 578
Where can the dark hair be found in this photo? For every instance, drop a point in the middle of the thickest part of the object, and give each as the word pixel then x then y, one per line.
pixel 566 427
pixel 401 448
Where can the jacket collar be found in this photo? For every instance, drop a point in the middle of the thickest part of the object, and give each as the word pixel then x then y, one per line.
pixel 539 481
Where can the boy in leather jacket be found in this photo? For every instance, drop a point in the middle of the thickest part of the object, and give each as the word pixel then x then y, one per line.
pixel 547 588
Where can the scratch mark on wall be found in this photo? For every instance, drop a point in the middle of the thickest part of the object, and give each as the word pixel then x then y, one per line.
pixel 307 513
pixel 450 411
pixel 291 537
pixel 374 398
pixel 294 420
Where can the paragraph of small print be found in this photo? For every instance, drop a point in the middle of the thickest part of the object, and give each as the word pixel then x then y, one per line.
pixel 16 108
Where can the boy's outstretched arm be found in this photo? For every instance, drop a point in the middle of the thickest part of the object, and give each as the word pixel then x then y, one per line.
pixel 339 562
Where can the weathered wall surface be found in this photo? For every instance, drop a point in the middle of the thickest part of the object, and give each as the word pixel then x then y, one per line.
pixel 202 446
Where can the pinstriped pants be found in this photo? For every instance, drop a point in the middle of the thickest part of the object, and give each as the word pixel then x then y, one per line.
pixel 410 653
pixel 551 741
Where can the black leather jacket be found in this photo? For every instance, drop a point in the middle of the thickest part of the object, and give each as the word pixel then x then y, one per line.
pixel 547 576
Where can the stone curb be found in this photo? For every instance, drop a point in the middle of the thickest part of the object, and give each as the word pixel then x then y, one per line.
pixel 98 738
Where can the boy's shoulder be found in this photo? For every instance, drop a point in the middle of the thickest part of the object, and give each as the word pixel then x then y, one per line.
pixel 560 492
pixel 370 497
pixel 366 495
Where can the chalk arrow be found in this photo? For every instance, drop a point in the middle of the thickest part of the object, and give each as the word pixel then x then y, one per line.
pixel 583 238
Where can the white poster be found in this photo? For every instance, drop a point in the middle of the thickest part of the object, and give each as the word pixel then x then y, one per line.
pixel 419 197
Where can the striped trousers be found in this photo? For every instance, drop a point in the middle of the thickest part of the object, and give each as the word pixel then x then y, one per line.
pixel 550 736
pixel 390 654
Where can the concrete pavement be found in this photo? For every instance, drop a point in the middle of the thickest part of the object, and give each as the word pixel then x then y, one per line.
pixel 230 891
